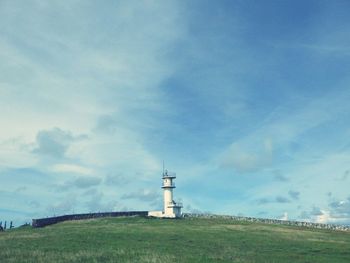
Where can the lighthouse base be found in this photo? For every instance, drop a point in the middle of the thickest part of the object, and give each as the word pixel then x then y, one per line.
pixel 161 214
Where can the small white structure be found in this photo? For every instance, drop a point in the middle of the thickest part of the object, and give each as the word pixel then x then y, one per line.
pixel 171 209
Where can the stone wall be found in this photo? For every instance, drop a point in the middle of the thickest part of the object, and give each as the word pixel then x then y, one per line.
pixel 270 221
pixel 41 222
pixel 53 220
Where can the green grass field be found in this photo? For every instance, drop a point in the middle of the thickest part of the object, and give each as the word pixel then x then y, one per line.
pixel 184 240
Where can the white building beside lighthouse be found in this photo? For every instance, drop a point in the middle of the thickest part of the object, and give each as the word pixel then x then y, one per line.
pixel 171 209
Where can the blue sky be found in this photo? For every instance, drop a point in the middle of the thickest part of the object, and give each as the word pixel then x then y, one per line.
pixel 248 101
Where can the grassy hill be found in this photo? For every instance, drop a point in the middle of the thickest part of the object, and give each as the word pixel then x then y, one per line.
pixel 185 240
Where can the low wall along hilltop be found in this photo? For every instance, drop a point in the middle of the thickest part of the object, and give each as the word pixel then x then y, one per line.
pixel 53 220
pixel 271 221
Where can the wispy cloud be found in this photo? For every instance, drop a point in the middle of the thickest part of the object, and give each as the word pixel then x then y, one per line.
pixel 54 142
pixel 243 161
pixel 71 168
pixel 294 194
pixel 143 195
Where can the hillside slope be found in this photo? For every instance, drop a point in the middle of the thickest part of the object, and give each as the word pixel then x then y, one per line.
pixel 185 240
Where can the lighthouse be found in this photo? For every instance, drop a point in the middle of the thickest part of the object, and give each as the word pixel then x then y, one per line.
pixel 171 209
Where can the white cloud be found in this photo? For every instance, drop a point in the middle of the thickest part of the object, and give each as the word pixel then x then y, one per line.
pixel 145 195
pixel 65 206
pixel 15 152
pixel 284 217
pixel 281 128
pixel 71 168
pixel 245 159
pixel 53 143
pixel 323 218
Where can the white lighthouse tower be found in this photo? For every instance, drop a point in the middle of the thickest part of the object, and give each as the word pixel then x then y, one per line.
pixel 171 208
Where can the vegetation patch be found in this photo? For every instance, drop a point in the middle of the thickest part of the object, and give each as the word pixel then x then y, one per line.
pixel 138 239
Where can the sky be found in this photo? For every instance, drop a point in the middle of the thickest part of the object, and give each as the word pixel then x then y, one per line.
pixel 247 101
